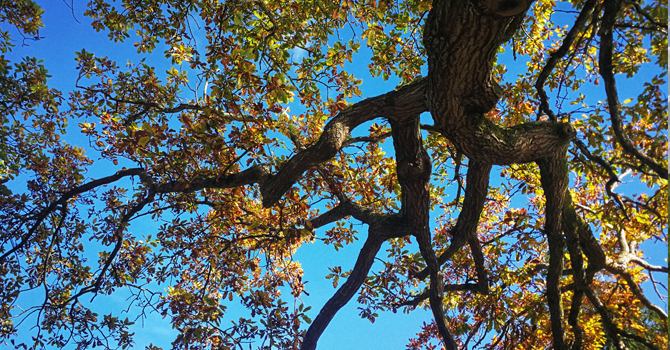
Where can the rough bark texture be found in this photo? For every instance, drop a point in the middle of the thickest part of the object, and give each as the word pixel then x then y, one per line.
pixel 461 38
pixel 414 170
pixel 408 100
pixel 461 41
pixel 554 176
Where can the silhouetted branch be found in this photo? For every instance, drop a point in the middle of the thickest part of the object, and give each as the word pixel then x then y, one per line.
pixel 607 72
pixel 118 234
pixel 647 16
pixel 62 201
pixel 556 56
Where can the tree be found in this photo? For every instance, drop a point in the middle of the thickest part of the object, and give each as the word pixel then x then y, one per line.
pixel 237 182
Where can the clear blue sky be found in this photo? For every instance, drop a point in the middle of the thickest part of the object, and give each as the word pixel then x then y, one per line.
pixel 63 36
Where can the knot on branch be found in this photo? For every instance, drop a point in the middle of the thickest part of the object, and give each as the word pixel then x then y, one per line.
pixel 417 168
pixel 567 131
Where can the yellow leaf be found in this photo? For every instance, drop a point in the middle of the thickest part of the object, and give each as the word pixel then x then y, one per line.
pixel 144 140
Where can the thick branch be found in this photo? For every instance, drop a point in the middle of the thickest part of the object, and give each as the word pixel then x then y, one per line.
pixel 554 179
pixel 407 100
pixel 382 227
pixel 461 44
pixel 338 213
pixel 414 170
pixel 396 104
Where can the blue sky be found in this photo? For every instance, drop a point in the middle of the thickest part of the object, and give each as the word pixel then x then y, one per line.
pixel 63 35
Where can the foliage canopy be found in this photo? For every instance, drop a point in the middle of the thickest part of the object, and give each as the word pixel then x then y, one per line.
pixel 243 150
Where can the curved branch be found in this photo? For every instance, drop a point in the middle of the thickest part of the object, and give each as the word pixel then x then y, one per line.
pixel 366 258
pixel 466 226
pixel 649 266
pixel 62 201
pixel 381 229
pixel 397 104
pixel 606 68
pixel 619 268
pixel 557 55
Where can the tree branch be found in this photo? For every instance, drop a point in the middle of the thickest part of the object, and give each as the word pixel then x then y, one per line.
pixel 556 56
pixel 607 72
pixel 609 326
pixel 619 268
pixel 648 266
pixel 62 201
pixel 647 16
pixel 370 139
pixel 569 226
pixel 468 219
pixel 470 287
pixel 407 100
pixel 385 227
pixel 554 179
pixel 366 258
pixel 613 177
pixel 118 234
pixel 414 170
